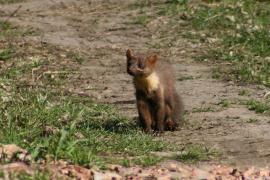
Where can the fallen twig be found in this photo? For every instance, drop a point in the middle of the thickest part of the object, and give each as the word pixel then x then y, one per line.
pixel 12 14
pixel 267 94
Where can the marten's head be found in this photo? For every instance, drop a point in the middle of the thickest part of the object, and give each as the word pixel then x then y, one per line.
pixel 140 66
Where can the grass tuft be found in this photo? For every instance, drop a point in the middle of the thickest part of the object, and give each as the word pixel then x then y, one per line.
pixel 142 20
pixel 6 54
pixel 10 1
pixel 148 160
pixel 258 106
pixel 195 153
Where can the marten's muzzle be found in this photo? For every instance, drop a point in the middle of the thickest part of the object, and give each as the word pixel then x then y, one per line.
pixel 134 71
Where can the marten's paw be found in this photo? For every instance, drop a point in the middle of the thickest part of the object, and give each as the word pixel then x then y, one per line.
pixel 170 125
pixel 148 131
pixel 158 133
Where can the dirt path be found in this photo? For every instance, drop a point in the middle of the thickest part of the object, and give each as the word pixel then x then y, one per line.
pixel 103 30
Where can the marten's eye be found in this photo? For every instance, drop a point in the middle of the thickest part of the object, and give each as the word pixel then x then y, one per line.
pixel 131 62
pixel 141 65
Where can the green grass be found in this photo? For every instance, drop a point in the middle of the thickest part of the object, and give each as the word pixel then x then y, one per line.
pixel 172 8
pixel 6 54
pixel 179 1
pixel 7 30
pixel 4 25
pixel 259 106
pixel 244 92
pixel 70 128
pixel 203 109
pixel 244 37
pixel 76 56
pixel 195 153
pixel 142 20
pixel 184 78
pixel 2 174
pixel 148 160
pixel 252 120
pixel 145 161
pixel 10 1
pixel 38 175
pixel 225 103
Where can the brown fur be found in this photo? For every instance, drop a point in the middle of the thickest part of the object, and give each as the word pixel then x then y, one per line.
pixel 158 103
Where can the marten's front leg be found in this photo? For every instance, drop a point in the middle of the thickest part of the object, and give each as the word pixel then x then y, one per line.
pixel 160 116
pixel 145 115
pixel 169 123
pixel 160 110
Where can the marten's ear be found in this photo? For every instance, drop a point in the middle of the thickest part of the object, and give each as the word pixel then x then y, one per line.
pixel 128 54
pixel 152 59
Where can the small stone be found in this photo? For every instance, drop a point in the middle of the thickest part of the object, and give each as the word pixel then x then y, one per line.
pixel 172 167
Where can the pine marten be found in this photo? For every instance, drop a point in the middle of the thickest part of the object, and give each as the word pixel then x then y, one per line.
pixel 159 106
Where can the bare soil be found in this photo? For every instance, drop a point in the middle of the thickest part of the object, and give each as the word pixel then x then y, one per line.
pixel 102 30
